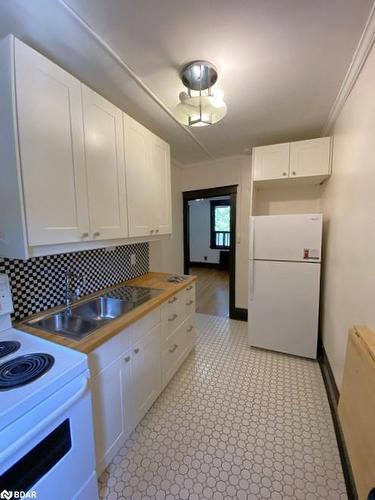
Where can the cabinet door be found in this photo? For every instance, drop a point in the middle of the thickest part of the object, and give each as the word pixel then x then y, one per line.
pixel 138 178
pixel 271 162
pixel 312 157
pixel 108 407
pixel 161 186
pixel 103 129
pixel 49 114
pixel 146 372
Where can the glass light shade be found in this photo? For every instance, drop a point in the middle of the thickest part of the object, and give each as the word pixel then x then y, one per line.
pixel 199 111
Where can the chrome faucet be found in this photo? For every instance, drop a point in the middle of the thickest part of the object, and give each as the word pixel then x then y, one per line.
pixel 72 293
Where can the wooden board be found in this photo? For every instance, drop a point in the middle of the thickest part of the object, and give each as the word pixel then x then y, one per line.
pixel 357 407
pixel 101 335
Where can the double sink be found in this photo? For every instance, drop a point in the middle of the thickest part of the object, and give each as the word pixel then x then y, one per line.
pixel 85 317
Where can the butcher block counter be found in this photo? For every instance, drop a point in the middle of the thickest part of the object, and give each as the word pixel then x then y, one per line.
pixel 113 327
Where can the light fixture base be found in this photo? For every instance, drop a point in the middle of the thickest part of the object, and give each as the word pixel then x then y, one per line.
pixel 199 75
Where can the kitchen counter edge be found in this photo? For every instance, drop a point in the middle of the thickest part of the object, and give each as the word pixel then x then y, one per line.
pixel 106 332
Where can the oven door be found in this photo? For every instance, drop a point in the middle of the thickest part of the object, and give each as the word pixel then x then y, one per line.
pixel 50 450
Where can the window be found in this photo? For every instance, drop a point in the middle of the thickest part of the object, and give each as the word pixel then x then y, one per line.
pixel 220 224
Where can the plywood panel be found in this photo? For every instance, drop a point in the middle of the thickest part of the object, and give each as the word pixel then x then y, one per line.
pixel 357 407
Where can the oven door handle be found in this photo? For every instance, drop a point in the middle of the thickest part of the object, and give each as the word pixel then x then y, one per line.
pixel 14 447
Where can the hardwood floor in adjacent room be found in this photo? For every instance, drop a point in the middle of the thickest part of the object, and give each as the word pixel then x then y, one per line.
pixel 212 291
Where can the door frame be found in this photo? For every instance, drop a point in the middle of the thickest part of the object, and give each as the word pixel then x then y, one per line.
pixel 230 191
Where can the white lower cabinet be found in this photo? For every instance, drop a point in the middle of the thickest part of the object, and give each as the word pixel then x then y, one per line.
pixel 129 371
pixel 146 373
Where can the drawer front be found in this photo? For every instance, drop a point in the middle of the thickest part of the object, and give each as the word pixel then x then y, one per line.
pixel 177 348
pixel 174 313
pixel 144 325
pixel 105 354
pixel 189 300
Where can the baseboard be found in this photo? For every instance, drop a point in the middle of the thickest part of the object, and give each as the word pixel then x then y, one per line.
pixel 333 399
pixel 213 265
pixel 239 313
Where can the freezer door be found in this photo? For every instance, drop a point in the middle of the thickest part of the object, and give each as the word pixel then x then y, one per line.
pixel 288 237
pixel 283 315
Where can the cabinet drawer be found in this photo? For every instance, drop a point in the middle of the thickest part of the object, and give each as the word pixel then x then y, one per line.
pixel 103 355
pixel 189 300
pixel 173 313
pixel 177 348
pixel 144 325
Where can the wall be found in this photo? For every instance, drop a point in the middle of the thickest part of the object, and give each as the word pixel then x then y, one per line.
pixel 287 200
pixel 38 283
pixel 200 231
pixel 167 255
pixel 226 172
pixel 349 209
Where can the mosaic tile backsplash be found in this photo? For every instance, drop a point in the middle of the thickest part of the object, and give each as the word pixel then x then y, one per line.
pixel 38 283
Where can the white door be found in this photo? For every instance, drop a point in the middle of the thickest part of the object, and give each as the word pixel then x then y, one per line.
pixel 312 157
pixel 271 162
pixel 283 315
pixel 104 148
pixel 146 372
pixel 161 186
pixel 138 178
pixel 287 237
pixel 49 112
pixel 107 389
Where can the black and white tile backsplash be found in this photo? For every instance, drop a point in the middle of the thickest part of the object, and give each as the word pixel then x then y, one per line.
pixel 38 283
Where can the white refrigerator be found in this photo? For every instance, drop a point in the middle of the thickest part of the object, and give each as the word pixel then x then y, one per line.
pixel 285 257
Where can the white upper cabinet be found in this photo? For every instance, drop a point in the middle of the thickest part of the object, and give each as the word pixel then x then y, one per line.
pixel 160 173
pixel 49 117
pixel 271 162
pixel 64 163
pixel 147 166
pixel 312 157
pixel 104 147
pixel 138 179
pixel 308 160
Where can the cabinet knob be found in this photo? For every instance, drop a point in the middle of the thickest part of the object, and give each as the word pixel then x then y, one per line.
pixel 173 317
pixel 84 235
pixel 152 231
pixel 170 301
pixel 127 359
pixel 189 287
pixel 284 174
pixel 172 349
pixel 136 351
pixel 96 234
pixel 189 303
pixel 293 173
pixel 190 328
pixel 156 230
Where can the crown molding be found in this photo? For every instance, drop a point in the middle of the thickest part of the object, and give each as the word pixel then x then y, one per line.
pixel 137 79
pixel 358 60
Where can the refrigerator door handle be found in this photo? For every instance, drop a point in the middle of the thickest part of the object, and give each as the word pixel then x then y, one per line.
pixel 251 267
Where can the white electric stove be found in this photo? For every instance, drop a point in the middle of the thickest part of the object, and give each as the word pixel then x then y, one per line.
pixel 46 431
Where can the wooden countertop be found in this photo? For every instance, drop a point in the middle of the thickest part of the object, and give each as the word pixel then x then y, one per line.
pixel 101 335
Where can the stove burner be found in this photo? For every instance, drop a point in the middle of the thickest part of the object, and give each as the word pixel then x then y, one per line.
pixel 24 369
pixel 8 347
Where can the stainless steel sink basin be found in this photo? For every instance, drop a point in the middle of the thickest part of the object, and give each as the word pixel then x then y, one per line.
pixel 83 318
pixel 66 323
pixel 101 308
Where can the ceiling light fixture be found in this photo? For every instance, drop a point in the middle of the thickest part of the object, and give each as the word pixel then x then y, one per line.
pixel 201 105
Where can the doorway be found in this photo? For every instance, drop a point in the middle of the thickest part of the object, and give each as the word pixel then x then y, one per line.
pixel 209 247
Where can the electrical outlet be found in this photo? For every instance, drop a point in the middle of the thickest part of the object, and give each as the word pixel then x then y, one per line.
pixel 133 259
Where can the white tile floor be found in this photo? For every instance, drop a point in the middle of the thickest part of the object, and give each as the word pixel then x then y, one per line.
pixel 234 422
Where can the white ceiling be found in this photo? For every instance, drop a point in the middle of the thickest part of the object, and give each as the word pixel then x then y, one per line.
pixel 281 62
